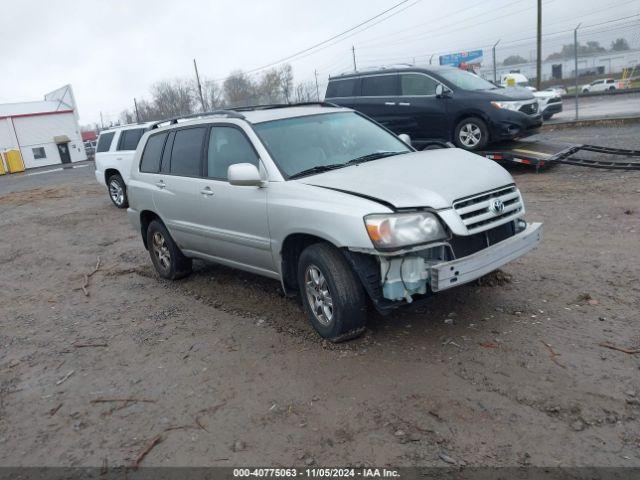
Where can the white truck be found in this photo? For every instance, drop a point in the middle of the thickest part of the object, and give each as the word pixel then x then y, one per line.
pixel 549 101
pixel 114 153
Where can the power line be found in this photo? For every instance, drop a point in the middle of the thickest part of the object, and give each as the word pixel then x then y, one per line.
pixel 289 57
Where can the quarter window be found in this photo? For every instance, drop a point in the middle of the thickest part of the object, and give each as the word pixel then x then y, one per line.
pixel 104 142
pixel 342 88
pixel 187 152
pixel 228 146
pixel 129 139
pixel 380 86
pixel 39 153
pixel 150 162
pixel 416 84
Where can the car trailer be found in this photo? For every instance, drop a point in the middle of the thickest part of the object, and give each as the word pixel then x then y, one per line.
pixel 540 154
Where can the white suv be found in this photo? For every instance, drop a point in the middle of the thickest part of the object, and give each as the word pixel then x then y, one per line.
pixel 114 153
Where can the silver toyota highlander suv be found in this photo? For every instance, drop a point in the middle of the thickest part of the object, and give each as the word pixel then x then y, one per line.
pixel 327 201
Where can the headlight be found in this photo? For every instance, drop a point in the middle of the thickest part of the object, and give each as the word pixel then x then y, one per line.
pixel 391 231
pixel 509 105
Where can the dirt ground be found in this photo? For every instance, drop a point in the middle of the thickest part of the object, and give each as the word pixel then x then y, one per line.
pixel 222 370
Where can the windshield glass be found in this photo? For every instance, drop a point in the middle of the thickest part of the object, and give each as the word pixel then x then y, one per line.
pixel 302 143
pixel 466 80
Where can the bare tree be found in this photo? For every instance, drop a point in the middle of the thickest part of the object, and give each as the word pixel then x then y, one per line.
pixel 268 88
pixel 213 94
pixel 127 116
pixel 173 98
pixel 286 82
pixel 238 89
pixel 305 92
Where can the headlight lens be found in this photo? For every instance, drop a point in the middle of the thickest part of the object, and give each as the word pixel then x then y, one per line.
pixel 508 105
pixel 391 231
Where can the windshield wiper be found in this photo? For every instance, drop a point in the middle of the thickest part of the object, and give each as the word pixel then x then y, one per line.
pixel 317 169
pixel 372 156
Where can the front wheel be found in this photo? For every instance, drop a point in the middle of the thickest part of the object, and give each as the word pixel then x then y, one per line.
pixel 117 191
pixel 332 296
pixel 547 116
pixel 471 134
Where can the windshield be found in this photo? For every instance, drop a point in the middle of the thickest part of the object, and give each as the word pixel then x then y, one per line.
pixel 334 139
pixel 466 80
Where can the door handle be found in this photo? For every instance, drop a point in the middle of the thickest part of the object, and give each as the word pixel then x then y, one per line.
pixel 207 191
pixel 404 104
pixel 160 184
pixel 390 103
pixel 118 158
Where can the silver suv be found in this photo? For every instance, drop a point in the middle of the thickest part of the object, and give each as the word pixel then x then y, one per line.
pixel 327 201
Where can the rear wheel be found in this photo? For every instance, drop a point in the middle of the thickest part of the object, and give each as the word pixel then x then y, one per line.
pixel 471 134
pixel 166 257
pixel 332 296
pixel 117 191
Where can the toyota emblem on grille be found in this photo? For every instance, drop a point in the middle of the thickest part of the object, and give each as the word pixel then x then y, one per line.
pixel 497 206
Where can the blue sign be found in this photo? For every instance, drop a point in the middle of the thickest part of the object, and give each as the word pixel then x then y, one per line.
pixel 455 59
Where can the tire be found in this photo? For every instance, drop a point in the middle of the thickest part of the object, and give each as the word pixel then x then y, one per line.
pixel 547 116
pixel 166 257
pixel 347 316
pixel 611 89
pixel 585 91
pixel 117 191
pixel 471 134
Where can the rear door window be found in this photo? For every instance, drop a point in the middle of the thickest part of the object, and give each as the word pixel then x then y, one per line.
pixel 380 86
pixel 150 162
pixel 413 84
pixel 186 154
pixel 342 88
pixel 104 142
pixel 129 139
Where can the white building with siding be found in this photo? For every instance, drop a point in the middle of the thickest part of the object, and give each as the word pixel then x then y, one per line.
pixel 46 132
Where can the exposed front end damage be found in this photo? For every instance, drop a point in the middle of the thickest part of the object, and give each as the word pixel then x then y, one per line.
pixel 411 276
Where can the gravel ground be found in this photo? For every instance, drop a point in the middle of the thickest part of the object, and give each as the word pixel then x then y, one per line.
pixel 221 369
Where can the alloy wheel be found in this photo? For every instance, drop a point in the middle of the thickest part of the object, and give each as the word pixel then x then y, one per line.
pixel 161 250
pixel 470 135
pixel 116 192
pixel 318 295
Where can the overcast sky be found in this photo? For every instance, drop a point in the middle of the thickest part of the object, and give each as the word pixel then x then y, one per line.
pixel 112 51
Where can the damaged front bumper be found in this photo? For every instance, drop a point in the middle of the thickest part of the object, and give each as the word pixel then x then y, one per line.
pixel 466 269
pixel 396 280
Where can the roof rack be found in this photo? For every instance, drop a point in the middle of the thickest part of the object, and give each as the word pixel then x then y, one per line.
pixel 249 108
pixel 173 120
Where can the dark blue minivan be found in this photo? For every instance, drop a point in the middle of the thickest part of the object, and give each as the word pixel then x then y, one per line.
pixel 438 103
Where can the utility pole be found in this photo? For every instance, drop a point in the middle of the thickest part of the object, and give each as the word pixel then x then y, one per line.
pixel 315 73
pixel 575 57
pixel 539 47
pixel 101 121
pixel 135 105
pixel 495 76
pixel 195 66
pixel 353 52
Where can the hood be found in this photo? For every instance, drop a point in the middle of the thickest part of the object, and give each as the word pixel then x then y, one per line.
pixel 431 178
pixel 545 94
pixel 510 93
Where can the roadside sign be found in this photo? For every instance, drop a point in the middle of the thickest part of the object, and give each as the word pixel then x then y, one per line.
pixel 473 57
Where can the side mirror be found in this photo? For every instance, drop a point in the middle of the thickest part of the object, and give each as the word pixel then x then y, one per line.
pixel 442 91
pixel 244 174
pixel 405 138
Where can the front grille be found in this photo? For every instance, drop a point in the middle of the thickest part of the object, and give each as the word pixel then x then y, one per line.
pixel 463 246
pixel 480 213
pixel 530 108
